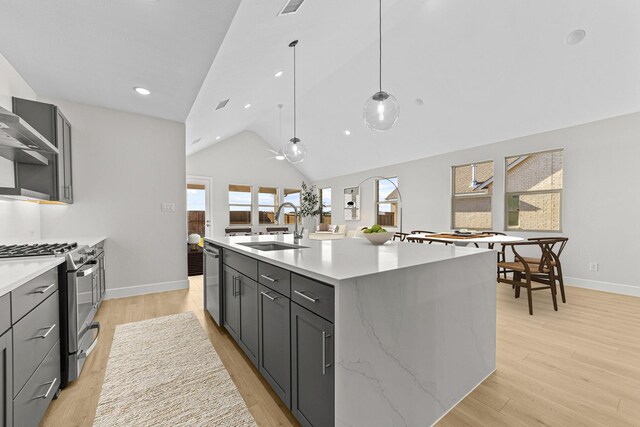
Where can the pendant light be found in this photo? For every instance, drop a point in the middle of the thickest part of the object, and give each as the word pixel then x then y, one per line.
pixel 381 110
pixel 295 151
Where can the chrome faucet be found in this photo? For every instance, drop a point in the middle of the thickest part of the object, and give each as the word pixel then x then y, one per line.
pixel 296 235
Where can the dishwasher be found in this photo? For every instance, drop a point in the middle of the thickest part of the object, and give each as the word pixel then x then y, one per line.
pixel 212 286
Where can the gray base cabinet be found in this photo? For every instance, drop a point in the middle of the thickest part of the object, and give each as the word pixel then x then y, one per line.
pixel 240 295
pixel 283 323
pixel 275 350
pixel 6 380
pixel 312 371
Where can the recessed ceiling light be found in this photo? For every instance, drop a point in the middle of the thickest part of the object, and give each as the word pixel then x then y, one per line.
pixel 278 74
pixel 247 106
pixel 142 91
pixel 280 157
pixel 347 132
pixel 576 36
pixel 218 138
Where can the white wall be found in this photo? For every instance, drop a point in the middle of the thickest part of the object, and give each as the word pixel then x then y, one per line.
pixel 124 166
pixel 600 198
pixel 18 220
pixel 240 159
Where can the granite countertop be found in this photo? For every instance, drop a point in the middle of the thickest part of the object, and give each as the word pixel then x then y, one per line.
pixel 18 272
pixel 333 260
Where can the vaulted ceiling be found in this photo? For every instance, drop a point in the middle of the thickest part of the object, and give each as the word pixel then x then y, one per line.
pixel 466 73
pixel 95 51
pixel 484 71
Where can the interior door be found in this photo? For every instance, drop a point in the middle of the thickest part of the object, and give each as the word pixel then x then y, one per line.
pixel 199 205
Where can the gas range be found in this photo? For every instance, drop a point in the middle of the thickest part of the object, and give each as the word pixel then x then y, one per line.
pixel 36 250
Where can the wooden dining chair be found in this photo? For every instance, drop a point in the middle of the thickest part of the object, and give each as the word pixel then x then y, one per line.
pixel 524 274
pixel 428 240
pixel 555 246
pixel 399 236
pixel 422 232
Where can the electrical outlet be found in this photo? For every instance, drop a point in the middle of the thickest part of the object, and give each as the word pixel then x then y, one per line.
pixel 168 207
pixel 593 266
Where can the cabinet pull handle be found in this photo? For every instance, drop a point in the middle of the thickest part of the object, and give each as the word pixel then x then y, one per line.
pixel 307 297
pixel 44 289
pixel 233 286
pixel 325 365
pixel 271 279
pixel 237 288
pixel 269 296
pixel 51 384
pixel 43 336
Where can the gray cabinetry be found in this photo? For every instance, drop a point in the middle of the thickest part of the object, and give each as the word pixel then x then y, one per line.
pixel 274 334
pixel 54 179
pixel 231 306
pixel 6 380
pixel 248 295
pixel 312 371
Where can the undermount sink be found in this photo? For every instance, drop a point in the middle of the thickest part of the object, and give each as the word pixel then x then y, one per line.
pixel 271 246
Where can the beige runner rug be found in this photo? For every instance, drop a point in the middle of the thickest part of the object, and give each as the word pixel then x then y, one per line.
pixel 165 372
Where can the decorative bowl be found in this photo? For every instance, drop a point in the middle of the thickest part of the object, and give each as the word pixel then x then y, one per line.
pixel 379 238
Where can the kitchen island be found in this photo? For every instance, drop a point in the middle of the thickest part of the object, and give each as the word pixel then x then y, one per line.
pixel 414 325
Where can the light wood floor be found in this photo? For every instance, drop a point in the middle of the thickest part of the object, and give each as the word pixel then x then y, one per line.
pixel 577 366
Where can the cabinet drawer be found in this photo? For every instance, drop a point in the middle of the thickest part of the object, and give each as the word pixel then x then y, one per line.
pixel 275 278
pixel 33 337
pixel 5 313
pixel 32 402
pixel 313 295
pixel 28 296
pixel 241 263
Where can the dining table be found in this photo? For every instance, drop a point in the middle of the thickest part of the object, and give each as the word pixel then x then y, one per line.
pixel 460 239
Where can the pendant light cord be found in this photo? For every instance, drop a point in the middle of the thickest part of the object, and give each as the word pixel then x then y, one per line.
pixel 380 47
pixel 294 92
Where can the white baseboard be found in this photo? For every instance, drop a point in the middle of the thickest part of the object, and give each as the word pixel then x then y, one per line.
pixel 595 285
pixel 130 291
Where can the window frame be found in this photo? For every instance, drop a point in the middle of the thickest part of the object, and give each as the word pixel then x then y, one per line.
pixel 275 207
pixel 535 192
pixel 377 204
pixel 240 204
pixel 323 207
pixel 455 196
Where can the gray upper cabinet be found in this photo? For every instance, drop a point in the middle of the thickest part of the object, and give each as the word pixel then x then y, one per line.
pixel 6 380
pixel 312 371
pixel 56 178
pixel 275 353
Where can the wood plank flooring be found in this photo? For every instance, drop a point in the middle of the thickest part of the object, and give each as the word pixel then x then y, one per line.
pixel 578 366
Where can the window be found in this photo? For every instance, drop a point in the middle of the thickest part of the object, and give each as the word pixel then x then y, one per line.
pixel 472 192
pixel 291 195
pixel 534 191
pixel 387 202
pixel 267 205
pixel 325 199
pixel 239 205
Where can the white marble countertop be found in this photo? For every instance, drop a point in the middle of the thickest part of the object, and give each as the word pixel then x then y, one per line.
pixel 14 273
pixel 81 241
pixel 331 261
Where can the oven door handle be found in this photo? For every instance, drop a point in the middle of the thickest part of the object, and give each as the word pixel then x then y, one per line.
pixel 87 352
pixel 88 271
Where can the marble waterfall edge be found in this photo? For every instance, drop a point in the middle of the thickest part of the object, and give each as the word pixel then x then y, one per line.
pixel 411 343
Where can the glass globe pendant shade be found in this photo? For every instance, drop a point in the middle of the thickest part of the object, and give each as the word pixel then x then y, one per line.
pixel 381 111
pixel 295 151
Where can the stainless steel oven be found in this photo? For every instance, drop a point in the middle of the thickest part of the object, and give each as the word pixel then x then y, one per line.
pixel 212 285
pixel 83 298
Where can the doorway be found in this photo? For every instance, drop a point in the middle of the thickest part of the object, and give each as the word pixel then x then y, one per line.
pixel 198 221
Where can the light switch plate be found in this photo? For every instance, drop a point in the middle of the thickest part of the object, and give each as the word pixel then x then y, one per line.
pixel 168 207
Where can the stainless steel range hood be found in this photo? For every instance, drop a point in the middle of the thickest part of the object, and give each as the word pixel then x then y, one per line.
pixel 19 142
